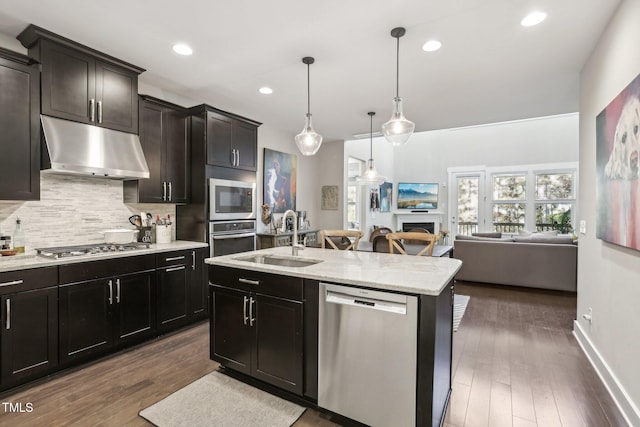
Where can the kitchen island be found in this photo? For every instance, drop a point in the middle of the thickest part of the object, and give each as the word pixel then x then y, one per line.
pixel 266 312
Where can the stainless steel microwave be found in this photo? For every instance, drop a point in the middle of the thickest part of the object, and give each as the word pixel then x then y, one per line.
pixel 231 199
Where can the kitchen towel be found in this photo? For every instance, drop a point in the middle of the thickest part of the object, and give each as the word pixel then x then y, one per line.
pixel 219 400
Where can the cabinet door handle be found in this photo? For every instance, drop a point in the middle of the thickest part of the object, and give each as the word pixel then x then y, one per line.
pixel 170 191
pixel 92 110
pixel 15 282
pixel 99 111
pixel 8 313
pixel 110 292
pixel 175 258
pixel 237 157
pixel 249 281
pixel 118 291
pixel 182 267
pixel 164 190
pixel 251 318
pixel 244 310
pixel 233 160
pixel 193 260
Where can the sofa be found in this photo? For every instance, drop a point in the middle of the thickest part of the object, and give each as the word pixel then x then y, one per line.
pixel 545 261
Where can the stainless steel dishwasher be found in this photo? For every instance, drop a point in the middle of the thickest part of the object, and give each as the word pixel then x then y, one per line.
pixel 367 359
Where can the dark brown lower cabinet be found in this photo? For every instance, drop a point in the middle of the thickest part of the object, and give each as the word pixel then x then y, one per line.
pixel 173 293
pixel 258 335
pixel 198 286
pixel 29 337
pixel 97 315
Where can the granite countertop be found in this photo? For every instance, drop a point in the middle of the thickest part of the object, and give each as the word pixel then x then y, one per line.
pixel 31 260
pixel 402 273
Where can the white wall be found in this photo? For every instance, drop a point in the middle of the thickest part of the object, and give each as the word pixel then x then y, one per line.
pixel 308 190
pixel 383 155
pixel 609 275
pixel 427 155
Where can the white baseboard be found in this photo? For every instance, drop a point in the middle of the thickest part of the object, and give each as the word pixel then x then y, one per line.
pixel 621 398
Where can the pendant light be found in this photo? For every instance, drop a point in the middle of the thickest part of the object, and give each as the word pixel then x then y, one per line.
pixel 308 141
pixel 371 175
pixel 398 129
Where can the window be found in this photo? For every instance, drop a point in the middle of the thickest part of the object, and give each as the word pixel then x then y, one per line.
pixel 355 167
pixel 555 200
pixel 509 202
pixel 537 197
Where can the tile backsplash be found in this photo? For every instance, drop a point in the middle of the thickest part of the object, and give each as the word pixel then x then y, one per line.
pixel 74 210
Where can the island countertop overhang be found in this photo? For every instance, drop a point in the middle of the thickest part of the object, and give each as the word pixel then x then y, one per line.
pixel 400 273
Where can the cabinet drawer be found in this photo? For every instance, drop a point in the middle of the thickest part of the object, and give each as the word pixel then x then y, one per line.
pixel 259 282
pixel 79 272
pixel 174 258
pixel 26 280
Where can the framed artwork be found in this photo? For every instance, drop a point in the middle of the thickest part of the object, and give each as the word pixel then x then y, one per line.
pixel 374 199
pixel 279 181
pixel 618 169
pixel 329 199
pixel 386 193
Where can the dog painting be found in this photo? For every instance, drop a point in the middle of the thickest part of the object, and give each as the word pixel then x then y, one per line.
pixel 618 169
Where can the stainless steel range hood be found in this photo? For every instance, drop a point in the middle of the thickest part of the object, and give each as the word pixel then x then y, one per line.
pixel 81 149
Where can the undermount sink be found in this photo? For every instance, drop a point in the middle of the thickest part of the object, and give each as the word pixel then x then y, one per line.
pixel 278 260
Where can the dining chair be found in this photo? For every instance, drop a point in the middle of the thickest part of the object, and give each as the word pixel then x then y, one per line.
pixel 340 239
pixel 381 244
pixel 379 231
pixel 415 230
pixel 395 242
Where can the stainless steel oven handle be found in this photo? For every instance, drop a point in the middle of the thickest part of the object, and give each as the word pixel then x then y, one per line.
pixel 232 236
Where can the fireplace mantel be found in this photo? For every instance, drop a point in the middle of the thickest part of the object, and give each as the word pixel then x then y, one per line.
pixel 431 216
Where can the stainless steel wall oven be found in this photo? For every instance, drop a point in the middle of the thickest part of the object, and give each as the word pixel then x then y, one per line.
pixel 230 237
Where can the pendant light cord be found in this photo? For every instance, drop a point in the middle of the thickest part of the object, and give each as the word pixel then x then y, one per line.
pixel 371 114
pixel 398 67
pixel 308 90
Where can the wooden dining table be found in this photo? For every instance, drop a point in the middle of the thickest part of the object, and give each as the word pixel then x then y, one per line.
pixel 438 250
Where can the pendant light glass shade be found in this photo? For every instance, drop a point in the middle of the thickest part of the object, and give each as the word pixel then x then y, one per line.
pixel 371 175
pixel 308 141
pixel 398 129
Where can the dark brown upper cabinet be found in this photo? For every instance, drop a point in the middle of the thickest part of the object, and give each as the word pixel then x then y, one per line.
pixel 164 135
pixel 231 140
pixel 83 84
pixel 20 124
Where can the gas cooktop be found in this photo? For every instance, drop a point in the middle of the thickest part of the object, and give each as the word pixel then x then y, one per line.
pixel 98 248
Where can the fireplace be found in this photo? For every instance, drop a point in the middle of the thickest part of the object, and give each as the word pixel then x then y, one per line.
pixel 429 226
pixel 429 221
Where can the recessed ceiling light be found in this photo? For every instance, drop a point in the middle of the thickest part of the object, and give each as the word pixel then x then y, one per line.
pixel 431 46
pixel 182 49
pixel 534 18
pixel 265 90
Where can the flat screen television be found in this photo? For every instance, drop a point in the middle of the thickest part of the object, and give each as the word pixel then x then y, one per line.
pixel 417 196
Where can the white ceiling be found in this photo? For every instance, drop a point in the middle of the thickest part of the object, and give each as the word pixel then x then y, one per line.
pixel 489 69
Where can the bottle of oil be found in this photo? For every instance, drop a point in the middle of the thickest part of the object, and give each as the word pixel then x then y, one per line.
pixel 18 237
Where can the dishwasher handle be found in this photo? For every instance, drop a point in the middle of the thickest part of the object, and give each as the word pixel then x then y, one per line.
pixel 391 306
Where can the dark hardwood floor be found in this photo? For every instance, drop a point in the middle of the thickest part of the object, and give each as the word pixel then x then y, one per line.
pixel 515 363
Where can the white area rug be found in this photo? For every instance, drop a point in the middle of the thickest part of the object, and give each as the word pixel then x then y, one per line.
pixel 459 306
pixel 221 401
